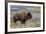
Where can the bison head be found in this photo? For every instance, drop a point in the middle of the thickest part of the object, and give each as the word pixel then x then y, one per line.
pixel 29 16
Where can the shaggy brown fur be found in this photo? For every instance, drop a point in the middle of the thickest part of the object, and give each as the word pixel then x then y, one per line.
pixel 22 17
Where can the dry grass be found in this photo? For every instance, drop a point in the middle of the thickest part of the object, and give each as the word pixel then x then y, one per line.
pixel 34 22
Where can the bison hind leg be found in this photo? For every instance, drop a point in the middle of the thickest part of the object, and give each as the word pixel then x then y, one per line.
pixel 15 20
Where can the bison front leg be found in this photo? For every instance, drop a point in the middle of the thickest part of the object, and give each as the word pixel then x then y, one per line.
pixel 23 22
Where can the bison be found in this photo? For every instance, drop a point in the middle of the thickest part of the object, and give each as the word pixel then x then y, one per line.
pixel 22 17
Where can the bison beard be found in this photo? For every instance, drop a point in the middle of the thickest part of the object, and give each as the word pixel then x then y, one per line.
pixel 22 18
